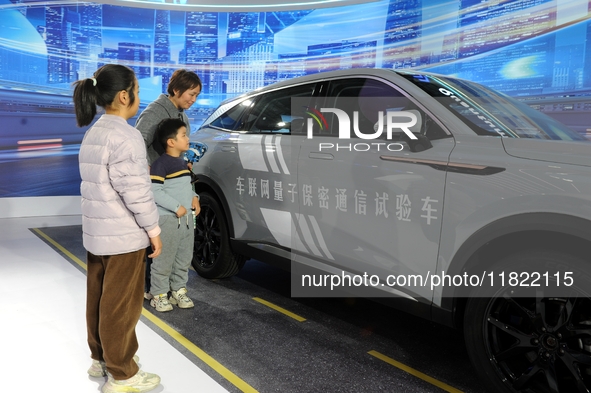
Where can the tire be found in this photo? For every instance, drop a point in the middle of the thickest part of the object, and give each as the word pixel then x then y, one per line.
pixel 522 340
pixel 212 255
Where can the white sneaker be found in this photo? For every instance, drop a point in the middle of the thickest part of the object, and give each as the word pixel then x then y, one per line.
pixel 140 382
pixel 161 303
pixel 99 369
pixel 181 299
pixel 148 296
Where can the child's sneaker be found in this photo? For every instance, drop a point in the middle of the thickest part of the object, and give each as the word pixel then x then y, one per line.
pixel 161 303
pixel 99 369
pixel 140 382
pixel 181 299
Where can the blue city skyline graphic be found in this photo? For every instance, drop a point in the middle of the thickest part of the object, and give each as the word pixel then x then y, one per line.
pixel 534 50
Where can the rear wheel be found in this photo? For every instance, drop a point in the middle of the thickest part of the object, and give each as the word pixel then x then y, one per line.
pixel 525 340
pixel 212 255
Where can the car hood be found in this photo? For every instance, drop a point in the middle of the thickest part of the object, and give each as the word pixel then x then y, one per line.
pixel 563 152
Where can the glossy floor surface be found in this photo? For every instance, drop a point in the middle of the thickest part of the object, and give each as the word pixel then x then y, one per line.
pixel 245 333
pixel 43 330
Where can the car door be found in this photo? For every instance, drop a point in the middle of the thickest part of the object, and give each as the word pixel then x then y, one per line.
pixel 260 184
pixel 369 205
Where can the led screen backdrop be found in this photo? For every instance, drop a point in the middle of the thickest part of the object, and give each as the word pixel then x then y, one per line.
pixel 535 50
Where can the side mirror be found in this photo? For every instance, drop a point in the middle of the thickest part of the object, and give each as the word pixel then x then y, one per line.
pixel 399 123
pixel 422 143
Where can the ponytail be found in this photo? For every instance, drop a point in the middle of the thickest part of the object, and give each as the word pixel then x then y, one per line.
pixel 101 90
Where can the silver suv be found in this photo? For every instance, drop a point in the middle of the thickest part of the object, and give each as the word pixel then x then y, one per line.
pixel 438 195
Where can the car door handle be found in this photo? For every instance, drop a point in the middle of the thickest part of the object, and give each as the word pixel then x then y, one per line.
pixel 320 156
pixel 231 149
pixel 457 167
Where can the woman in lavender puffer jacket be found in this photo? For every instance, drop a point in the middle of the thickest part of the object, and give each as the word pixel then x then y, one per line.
pixel 119 220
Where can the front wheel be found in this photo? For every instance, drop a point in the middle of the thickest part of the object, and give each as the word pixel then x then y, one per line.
pixel 212 255
pixel 522 340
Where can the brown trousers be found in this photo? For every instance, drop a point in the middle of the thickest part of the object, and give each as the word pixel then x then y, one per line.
pixel 114 302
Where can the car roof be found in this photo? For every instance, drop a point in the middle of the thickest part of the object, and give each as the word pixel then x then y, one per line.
pixel 332 74
pixel 317 77
pixel 326 75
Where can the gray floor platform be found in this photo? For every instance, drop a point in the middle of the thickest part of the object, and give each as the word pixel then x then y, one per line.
pixel 244 334
pixel 43 333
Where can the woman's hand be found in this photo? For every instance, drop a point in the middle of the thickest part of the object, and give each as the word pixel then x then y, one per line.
pixel 196 206
pixel 156 246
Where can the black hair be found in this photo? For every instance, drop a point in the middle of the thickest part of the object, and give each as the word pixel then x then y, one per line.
pixel 101 90
pixel 167 129
pixel 183 80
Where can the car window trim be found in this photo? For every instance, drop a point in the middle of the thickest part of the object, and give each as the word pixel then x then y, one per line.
pixel 395 87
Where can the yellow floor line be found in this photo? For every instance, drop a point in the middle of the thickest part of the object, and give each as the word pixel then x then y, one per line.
pixel 61 248
pixel 280 309
pixel 211 362
pixel 194 349
pixel 414 372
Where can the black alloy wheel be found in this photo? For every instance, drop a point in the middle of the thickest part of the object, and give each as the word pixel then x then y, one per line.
pixel 212 255
pixel 524 341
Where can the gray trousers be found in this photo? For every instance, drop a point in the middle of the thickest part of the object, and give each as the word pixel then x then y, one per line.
pixel 170 271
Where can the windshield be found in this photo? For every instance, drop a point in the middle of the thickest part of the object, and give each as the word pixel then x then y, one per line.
pixel 488 112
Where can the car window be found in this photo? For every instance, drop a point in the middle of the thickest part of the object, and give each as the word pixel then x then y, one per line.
pixel 370 102
pixel 272 112
pixel 231 119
